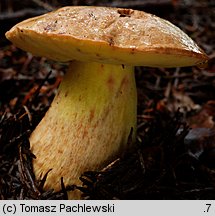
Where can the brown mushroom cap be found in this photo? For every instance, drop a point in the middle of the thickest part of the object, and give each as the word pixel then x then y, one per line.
pixel 108 35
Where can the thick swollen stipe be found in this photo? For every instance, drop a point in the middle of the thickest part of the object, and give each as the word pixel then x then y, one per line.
pixel 88 123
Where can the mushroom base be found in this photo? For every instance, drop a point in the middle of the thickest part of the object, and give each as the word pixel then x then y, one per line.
pixel 87 125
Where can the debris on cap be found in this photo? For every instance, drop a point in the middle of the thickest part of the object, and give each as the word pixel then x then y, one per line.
pixel 107 35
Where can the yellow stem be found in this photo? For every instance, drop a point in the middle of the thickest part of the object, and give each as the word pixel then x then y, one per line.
pixel 87 124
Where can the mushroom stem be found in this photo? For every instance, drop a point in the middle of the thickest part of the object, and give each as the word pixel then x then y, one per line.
pixel 87 124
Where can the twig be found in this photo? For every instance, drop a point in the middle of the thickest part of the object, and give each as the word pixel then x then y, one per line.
pixel 21 13
pixel 135 3
pixel 44 5
pixel 28 113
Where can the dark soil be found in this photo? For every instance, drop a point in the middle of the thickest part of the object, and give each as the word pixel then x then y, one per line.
pixel 174 155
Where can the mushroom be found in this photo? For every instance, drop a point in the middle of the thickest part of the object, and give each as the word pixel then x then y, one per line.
pixel 91 116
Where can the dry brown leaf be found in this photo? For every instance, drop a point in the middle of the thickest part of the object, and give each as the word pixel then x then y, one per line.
pixel 204 118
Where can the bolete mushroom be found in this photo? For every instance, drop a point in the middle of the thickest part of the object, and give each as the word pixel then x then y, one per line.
pixel 94 110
